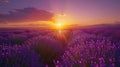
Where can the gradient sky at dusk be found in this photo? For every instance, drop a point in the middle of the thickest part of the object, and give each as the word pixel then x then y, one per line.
pixel 80 11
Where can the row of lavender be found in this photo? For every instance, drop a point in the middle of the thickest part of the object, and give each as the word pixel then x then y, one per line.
pixel 66 49
pixel 12 37
pixel 38 48
pixel 89 50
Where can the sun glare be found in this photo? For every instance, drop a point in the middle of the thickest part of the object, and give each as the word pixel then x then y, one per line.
pixel 60 21
pixel 59 25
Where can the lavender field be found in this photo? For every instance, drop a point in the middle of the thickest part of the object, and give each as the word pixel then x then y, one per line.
pixel 88 47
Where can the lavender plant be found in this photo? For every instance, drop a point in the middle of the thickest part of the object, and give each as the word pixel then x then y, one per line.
pixel 89 50
pixel 18 56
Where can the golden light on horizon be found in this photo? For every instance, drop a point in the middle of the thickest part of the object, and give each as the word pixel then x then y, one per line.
pixel 59 21
pixel 59 26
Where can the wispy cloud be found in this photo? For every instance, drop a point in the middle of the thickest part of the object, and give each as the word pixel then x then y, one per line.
pixel 26 15
pixel 4 1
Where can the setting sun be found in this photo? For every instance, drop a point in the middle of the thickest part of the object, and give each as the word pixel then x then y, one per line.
pixel 59 25
pixel 59 21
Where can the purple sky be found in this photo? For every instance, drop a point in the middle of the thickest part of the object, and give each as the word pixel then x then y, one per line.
pixel 81 11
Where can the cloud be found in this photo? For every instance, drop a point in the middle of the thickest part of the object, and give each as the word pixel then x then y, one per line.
pixel 26 15
pixel 4 1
